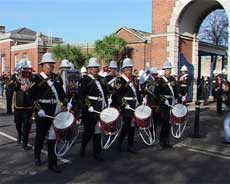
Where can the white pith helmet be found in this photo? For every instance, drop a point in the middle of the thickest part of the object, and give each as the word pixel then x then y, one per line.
pixel 184 68
pixel 65 64
pixel 113 64
pixel 93 62
pixel 167 65
pixel 127 62
pixel 47 58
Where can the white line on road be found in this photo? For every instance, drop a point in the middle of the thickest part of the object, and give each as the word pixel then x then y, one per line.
pixel 43 151
pixel 206 151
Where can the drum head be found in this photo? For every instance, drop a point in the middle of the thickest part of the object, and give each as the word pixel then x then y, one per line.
pixel 143 112
pixel 63 120
pixel 179 110
pixel 109 115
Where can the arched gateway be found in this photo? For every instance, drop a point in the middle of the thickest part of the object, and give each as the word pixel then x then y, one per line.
pixel 175 25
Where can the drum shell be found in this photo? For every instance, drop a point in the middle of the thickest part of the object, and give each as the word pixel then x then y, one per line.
pixel 67 133
pixel 112 126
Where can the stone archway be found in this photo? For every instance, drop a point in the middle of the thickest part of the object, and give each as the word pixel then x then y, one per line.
pixel 175 26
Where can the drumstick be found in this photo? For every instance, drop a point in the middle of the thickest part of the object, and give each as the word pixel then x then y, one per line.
pixel 173 107
pixel 101 113
pixel 53 117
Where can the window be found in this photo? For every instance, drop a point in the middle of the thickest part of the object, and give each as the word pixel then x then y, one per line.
pixel 16 59
pixel 26 56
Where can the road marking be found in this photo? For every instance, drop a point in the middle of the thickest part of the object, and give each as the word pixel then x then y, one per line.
pixel 205 151
pixel 43 151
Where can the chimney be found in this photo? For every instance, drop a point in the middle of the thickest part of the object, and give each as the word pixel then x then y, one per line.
pixel 2 29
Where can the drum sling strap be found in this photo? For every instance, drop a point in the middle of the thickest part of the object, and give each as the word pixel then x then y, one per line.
pixel 171 89
pixel 100 89
pixel 51 133
pixel 98 126
pixel 131 86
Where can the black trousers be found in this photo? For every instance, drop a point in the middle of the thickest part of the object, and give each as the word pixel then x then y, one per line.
pixel 42 128
pixel 22 121
pixel 219 105
pixel 165 126
pixel 127 129
pixel 89 122
pixel 9 99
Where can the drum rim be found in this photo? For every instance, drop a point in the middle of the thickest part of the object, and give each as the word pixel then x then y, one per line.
pixel 67 126
pixel 171 111
pixel 143 118
pixel 111 121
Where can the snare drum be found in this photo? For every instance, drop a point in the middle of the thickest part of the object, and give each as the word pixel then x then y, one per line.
pixel 109 118
pixel 178 114
pixel 65 126
pixel 143 116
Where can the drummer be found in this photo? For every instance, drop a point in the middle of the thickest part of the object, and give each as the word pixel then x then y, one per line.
pixel 148 90
pixel 184 82
pixel 127 95
pixel 166 91
pixel 94 91
pixel 111 78
pixel 48 94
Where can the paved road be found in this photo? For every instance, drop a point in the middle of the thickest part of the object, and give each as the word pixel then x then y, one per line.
pixel 204 160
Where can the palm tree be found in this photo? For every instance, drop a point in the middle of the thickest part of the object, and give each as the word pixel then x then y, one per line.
pixel 69 52
pixel 111 48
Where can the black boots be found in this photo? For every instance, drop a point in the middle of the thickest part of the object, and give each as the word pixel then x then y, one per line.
pixel 52 158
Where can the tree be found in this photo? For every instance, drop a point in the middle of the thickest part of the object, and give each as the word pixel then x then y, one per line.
pixel 69 52
pixel 111 48
pixel 214 28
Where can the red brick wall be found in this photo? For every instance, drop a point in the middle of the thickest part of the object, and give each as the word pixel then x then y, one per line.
pixel 162 11
pixel 185 47
pixel 127 36
pixel 159 51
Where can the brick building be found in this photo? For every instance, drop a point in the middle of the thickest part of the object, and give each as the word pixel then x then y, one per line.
pixel 23 43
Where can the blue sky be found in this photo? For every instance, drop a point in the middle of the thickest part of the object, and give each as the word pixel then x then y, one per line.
pixel 76 21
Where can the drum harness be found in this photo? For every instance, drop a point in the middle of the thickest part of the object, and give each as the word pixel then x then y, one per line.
pixel 67 144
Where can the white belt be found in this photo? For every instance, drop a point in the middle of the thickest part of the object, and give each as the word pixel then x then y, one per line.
pixel 184 85
pixel 48 101
pixel 130 98
pixel 95 98
pixel 168 96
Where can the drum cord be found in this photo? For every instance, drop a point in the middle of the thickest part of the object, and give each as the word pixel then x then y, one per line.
pixel 66 146
pixel 178 133
pixel 151 137
pixel 109 142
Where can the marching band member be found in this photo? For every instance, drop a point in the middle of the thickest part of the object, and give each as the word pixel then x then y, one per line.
pixel 184 83
pixel 65 65
pixel 111 78
pixel 166 91
pixel 218 92
pixel 94 92
pixel 127 95
pixel 48 94
pixel 150 98
pixel 23 103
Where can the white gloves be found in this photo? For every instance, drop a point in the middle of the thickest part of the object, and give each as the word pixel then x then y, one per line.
pixel 109 100
pixel 166 102
pixel 69 106
pixel 183 98
pixel 127 106
pixel 41 113
pixel 91 109
pixel 145 101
